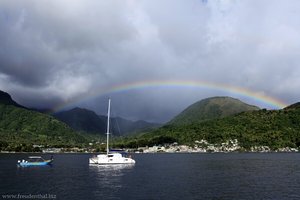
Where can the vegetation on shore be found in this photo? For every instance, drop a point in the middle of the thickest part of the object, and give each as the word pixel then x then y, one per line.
pixel 215 120
pixel 20 129
pixel 273 128
pixel 209 109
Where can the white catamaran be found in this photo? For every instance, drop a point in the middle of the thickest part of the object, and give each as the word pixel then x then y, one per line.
pixel 111 157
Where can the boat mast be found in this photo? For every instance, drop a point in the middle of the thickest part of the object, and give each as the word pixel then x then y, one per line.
pixel 107 131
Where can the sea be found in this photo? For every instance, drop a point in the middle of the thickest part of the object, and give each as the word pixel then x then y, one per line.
pixel 155 176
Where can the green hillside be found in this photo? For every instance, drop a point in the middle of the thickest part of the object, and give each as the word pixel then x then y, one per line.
pixel 82 120
pixel 87 121
pixel 21 128
pixel 273 128
pixel 214 119
pixel 211 108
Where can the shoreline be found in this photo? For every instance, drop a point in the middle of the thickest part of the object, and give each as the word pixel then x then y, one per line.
pixel 231 152
pixel 229 146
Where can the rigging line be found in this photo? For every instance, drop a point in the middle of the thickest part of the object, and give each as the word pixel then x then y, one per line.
pixel 116 123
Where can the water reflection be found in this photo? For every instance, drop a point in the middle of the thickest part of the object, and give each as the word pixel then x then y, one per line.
pixel 108 178
pixel 109 173
pixel 33 170
pixel 110 168
pixel 34 166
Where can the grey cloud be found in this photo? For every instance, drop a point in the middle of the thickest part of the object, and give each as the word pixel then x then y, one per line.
pixel 181 25
pixel 56 51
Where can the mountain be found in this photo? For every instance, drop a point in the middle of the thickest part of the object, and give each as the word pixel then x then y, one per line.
pixel 211 108
pixel 20 128
pixel 293 106
pixel 82 120
pixel 126 127
pixel 6 99
pixel 85 120
pixel 273 128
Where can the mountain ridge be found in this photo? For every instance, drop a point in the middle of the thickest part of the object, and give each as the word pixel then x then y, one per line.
pixel 20 128
pixel 211 108
pixel 6 99
pixel 88 121
pixel 273 128
pixel 81 119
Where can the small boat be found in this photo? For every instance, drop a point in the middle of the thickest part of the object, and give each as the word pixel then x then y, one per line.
pixel 111 157
pixel 35 161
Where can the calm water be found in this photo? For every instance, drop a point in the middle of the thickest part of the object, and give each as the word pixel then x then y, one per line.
pixel 158 176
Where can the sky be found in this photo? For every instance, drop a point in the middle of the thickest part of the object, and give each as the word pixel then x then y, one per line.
pixel 60 54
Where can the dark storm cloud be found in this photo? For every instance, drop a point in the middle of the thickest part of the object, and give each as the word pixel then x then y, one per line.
pixel 59 46
pixel 54 51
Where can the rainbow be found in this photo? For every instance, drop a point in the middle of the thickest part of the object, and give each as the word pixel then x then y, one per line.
pixel 257 96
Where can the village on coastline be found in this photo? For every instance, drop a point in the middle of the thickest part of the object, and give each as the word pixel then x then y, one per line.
pixel 204 147
pixel 199 147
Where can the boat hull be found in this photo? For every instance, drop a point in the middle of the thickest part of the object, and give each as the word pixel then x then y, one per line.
pixel 28 164
pixel 111 159
pixel 111 162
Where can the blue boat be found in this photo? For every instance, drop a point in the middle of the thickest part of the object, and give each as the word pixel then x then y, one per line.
pixel 35 161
